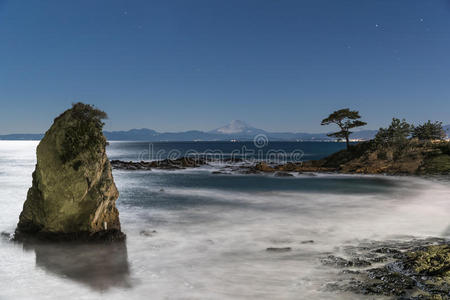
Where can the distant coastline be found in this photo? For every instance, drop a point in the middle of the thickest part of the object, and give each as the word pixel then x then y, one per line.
pixel 235 131
pixel 149 135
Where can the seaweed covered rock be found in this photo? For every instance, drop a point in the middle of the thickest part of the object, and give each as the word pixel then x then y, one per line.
pixel 434 260
pixel 414 269
pixel 73 193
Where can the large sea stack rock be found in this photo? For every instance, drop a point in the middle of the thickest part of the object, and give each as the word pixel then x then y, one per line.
pixel 73 193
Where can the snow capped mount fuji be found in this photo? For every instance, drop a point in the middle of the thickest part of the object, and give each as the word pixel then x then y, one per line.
pixel 237 127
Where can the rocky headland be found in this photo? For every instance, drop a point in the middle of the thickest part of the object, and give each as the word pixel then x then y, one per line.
pixel 410 158
pixel 73 193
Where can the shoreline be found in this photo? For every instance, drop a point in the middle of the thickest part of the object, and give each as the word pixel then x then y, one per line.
pixel 240 167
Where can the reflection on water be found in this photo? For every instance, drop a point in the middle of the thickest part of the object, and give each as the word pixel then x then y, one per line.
pixel 100 266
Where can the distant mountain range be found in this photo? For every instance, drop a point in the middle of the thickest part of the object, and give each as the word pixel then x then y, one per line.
pixel 236 130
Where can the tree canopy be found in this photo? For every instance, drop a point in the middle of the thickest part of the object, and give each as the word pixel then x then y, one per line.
pixel 346 119
pixel 429 131
pixel 85 133
pixel 398 132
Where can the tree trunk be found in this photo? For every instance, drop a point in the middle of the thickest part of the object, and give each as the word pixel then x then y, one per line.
pixel 347 140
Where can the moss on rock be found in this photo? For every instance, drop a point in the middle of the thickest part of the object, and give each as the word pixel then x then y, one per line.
pixel 434 260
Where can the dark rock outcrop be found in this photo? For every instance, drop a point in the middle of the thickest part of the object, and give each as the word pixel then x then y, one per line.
pixel 73 193
pixel 283 174
pixel 414 269
pixel 277 249
pixel 166 164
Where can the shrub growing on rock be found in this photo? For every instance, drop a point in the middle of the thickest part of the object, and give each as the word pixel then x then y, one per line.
pixel 397 133
pixel 85 133
pixel 429 131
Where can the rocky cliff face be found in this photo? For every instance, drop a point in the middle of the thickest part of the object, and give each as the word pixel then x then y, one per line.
pixel 73 192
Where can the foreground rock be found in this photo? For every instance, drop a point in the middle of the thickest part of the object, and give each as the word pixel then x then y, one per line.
pixel 415 269
pixel 73 193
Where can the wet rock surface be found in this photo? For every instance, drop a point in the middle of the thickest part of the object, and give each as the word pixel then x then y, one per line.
pixel 220 173
pixel 232 166
pixel 332 260
pixel 412 269
pixel 147 232
pixel 279 249
pixel 167 164
pixel 307 242
pixel 283 174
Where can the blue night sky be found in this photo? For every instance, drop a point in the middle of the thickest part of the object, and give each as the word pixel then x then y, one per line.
pixel 177 65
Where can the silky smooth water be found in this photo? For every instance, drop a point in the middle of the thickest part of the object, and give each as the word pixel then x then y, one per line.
pixel 195 235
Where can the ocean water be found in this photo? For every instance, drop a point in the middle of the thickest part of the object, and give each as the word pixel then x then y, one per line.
pixel 195 235
pixel 258 150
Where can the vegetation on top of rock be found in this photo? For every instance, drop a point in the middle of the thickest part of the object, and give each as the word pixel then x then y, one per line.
pixel 429 131
pixel 84 133
pixel 397 132
pixel 346 119
pixel 399 149
pixel 408 157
